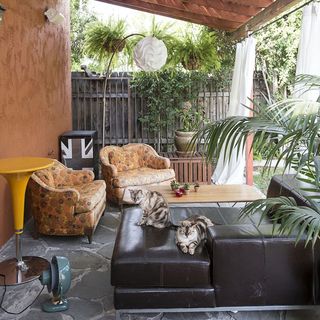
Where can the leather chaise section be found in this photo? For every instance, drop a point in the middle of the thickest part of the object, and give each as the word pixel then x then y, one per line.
pixel 243 263
pixel 251 266
pixel 149 257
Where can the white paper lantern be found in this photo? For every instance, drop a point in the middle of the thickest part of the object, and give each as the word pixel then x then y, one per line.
pixel 150 54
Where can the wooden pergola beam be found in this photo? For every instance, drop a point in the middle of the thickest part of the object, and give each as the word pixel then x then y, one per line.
pixel 201 10
pixel 269 13
pixel 227 6
pixel 176 14
pixel 242 8
pixel 249 10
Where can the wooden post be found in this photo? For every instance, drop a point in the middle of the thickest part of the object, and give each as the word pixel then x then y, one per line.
pixel 249 153
pixel 249 162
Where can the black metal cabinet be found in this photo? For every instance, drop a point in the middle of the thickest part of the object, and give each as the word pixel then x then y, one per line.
pixel 79 150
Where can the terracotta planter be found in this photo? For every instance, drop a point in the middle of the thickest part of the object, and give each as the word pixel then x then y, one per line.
pixel 174 189
pixel 182 140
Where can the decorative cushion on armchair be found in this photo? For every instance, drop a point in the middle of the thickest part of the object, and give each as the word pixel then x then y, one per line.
pixel 132 165
pixel 65 201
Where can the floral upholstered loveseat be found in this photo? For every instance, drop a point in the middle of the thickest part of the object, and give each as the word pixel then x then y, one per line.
pixel 65 201
pixel 132 165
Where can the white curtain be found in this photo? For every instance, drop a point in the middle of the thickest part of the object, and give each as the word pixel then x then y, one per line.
pixel 231 171
pixel 308 61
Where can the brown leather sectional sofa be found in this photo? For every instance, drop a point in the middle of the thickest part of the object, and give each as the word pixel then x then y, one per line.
pixel 242 265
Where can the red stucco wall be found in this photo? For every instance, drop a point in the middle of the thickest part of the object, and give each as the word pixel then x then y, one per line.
pixel 35 94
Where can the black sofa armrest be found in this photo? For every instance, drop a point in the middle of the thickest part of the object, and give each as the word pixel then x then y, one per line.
pixel 251 267
pixel 287 185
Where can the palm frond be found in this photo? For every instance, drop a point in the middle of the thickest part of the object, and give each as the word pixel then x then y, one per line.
pixel 292 125
pixel 288 131
pixel 288 219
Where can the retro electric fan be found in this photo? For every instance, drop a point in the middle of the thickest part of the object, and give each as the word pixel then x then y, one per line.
pixel 58 280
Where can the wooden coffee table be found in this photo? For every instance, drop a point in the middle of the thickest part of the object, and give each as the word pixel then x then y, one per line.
pixel 212 194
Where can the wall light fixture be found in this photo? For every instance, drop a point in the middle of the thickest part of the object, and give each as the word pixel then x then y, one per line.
pixel 54 16
pixel 2 10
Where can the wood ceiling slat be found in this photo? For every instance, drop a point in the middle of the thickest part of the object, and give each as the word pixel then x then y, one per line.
pixel 177 14
pixel 228 15
pixel 202 10
pixel 256 3
pixel 274 10
pixel 228 6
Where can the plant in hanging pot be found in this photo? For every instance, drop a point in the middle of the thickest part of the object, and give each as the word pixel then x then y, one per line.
pixel 197 50
pixel 191 117
pixel 102 39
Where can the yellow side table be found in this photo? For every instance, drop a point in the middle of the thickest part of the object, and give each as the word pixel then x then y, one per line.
pixel 17 171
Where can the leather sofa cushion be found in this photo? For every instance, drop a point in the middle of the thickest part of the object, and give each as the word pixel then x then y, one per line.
pixel 142 176
pixel 145 298
pixel 147 257
pixel 251 266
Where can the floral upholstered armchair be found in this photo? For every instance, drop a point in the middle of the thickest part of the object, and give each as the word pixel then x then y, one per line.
pixel 132 165
pixel 65 201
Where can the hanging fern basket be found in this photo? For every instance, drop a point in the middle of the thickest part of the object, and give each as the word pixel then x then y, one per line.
pixel 116 45
pixel 192 63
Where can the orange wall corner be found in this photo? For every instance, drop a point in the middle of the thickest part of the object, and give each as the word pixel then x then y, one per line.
pixel 35 87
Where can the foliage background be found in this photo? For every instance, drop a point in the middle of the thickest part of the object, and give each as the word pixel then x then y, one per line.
pixel 81 16
pixel 165 91
pixel 277 48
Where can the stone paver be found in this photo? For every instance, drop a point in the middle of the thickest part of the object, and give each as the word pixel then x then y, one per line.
pixel 91 295
pixel 106 251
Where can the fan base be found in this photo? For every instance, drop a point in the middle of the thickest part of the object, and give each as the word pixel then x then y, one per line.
pixel 52 306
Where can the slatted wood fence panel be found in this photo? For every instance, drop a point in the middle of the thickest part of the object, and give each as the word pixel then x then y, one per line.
pixel 125 107
pixel 190 169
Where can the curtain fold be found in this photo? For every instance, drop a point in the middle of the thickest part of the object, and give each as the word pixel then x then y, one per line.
pixel 308 60
pixel 231 171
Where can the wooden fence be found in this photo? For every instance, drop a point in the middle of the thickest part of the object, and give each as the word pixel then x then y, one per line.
pixel 125 107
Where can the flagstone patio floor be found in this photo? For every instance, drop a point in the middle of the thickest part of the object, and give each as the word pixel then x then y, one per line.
pixel 91 295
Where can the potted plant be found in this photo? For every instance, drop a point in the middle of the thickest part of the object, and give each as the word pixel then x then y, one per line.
pixel 164 92
pixel 197 50
pixel 196 187
pixel 186 188
pixel 102 39
pixel 174 185
pixel 191 117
